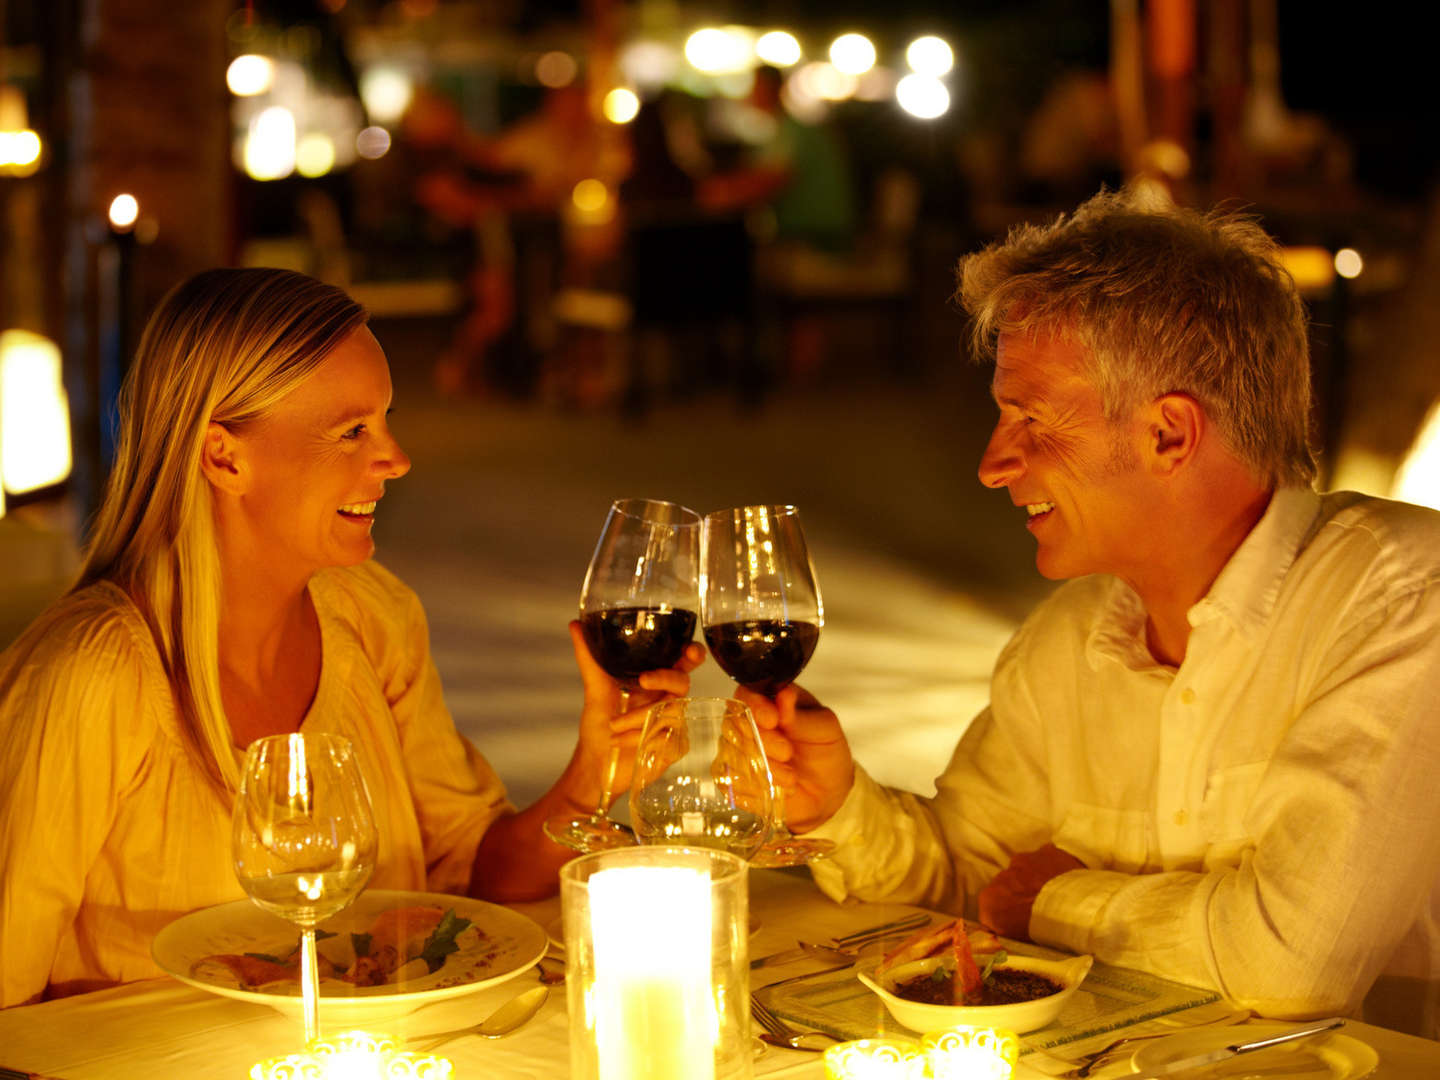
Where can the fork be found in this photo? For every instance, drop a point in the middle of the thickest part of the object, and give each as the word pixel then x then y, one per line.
pixel 782 1034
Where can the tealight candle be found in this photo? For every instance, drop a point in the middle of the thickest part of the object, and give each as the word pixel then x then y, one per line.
pixel 875 1059
pixel 970 1053
pixel 354 1055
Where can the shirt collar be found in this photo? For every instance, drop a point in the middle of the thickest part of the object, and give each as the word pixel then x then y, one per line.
pixel 1244 593
pixel 1248 586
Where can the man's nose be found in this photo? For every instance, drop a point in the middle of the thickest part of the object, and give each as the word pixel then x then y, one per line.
pixel 1001 462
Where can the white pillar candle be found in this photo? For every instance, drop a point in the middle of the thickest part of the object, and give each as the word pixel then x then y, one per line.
pixel 653 1007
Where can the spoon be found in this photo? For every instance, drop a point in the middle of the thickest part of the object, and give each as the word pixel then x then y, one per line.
pixel 501 1022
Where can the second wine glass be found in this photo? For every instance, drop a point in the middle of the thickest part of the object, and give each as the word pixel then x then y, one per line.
pixel 303 838
pixel 638 609
pixel 762 613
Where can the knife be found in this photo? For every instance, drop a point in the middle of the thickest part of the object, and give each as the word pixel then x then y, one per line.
pixel 1196 1061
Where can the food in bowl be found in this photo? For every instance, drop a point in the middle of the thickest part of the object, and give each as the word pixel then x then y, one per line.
pixel 958 992
pixel 1001 986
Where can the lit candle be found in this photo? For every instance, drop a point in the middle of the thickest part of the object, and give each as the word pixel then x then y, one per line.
pixel 874 1059
pixel 652 1003
pixel 971 1053
pixel 354 1055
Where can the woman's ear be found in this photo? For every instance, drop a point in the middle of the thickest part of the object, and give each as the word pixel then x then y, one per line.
pixel 1177 424
pixel 222 459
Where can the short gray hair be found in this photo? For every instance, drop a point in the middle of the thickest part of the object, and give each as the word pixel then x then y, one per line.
pixel 1162 299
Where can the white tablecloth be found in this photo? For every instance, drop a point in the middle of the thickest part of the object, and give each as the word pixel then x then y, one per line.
pixel 162 1028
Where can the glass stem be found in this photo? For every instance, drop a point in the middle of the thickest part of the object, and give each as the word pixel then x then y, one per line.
pixel 781 832
pixel 310 983
pixel 607 790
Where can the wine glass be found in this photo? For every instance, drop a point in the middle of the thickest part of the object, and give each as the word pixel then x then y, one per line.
pixel 701 777
pixel 761 610
pixel 638 609
pixel 303 838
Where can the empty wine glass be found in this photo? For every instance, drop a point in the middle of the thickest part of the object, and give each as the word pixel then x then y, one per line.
pixel 638 610
pixel 701 777
pixel 761 609
pixel 303 838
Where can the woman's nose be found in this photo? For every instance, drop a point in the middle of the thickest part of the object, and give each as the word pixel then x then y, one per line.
pixel 1001 462
pixel 396 462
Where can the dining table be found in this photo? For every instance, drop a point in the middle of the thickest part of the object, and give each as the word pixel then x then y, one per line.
pixel 164 1028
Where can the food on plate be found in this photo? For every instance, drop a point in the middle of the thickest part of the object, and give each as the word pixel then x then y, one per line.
pixel 400 944
pixel 932 940
pixel 963 981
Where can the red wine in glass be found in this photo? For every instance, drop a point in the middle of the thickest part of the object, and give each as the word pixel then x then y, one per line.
pixel 637 613
pixel 763 655
pixel 761 610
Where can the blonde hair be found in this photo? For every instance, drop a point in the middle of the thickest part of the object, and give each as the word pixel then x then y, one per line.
pixel 1162 299
pixel 225 345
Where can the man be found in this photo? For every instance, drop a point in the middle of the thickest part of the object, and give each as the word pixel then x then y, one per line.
pixel 1212 754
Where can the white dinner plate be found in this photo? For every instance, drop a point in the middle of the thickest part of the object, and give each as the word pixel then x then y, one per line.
pixel 499 945
pixel 1331 1056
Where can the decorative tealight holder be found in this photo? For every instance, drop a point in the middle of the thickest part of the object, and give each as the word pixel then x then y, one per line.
pixel 970 1053
pixel 875 1059
pixel 656 951
pixel 355 1055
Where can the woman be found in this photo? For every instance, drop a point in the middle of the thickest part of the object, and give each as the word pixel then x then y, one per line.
pixel 227 593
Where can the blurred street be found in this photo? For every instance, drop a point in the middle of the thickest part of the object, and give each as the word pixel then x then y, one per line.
pixel 924 572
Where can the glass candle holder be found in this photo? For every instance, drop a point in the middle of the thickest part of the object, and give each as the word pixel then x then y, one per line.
pixel 355 1055
pixel 970 1053
pixel 658 980
pixel 875 1059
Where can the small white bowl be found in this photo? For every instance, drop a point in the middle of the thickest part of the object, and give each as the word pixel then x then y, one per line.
pixel 1020 1017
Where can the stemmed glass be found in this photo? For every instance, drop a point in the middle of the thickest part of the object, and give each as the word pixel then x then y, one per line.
pixel 701 777
pixel 761 610
pixel 303 838
pixel 638 609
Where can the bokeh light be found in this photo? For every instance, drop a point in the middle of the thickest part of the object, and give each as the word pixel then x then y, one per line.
pixel 249 75
pixel 386 92
pixel 852 54
pixel 1348 263
pixel 19 152
pixel 930 55
pixel 124 209
pixel 372 142
pixel 778 48
pixel 717 51
pixel 34 413
pixel 556 69
pixel 648 64
pixel 314 154
pixel 922 96
pixel 590 196
pixel 621 105
pixel 270 145
pixel 824 82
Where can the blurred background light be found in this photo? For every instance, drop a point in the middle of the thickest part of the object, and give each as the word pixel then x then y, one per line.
pixel 930 55
pixel 1312 268
pixel 386 92
pixel 1348 263
pixel 19 152
pixel 314 154
pixel 778 48
pixel 372 142
pixel 922 96
pixel 34 413
pixel 717 51
pixel 590 196
pixel 824 82
pixel 1417 480
pixel 621 105
pixel 249 75
pixel 852 54
pixel 124 209
pixel 270 144
pixel 648 64
pixel 556 69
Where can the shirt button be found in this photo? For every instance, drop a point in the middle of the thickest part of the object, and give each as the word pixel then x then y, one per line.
pixel 1187 696
pixel 1181 817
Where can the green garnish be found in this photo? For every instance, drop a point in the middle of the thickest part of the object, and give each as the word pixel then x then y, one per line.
pixel 441 942
pixel 997 957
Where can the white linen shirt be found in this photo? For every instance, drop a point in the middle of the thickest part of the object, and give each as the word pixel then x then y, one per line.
pixel 1264 820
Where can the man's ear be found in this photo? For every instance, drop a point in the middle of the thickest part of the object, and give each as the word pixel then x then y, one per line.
pixel 1177 424
pixel 222 460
